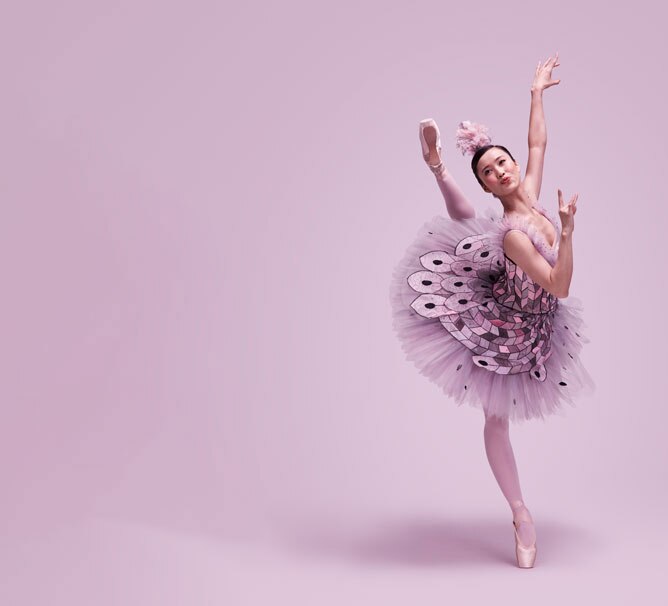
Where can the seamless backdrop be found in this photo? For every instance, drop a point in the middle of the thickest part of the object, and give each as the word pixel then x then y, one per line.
pixel 203 399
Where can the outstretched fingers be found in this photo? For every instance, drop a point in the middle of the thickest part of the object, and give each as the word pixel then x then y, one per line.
pixel 571 203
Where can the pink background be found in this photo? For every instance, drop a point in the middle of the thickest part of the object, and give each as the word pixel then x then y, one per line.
pixel 204 401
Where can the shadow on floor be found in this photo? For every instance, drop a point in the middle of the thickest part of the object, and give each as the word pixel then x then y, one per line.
pixel 430 542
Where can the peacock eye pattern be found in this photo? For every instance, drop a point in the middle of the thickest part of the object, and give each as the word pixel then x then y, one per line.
pixel 502 316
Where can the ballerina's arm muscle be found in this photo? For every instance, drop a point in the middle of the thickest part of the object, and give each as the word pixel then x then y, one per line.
pixel 521 251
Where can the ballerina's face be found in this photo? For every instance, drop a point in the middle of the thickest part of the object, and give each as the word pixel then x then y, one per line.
pixel 498 171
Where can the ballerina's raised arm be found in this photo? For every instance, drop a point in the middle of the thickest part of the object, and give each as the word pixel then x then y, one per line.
pixel 537 131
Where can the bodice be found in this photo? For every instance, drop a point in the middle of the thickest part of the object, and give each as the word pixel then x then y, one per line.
pixel 513 287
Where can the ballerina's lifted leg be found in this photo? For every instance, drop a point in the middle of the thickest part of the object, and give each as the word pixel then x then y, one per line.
pixel 455 201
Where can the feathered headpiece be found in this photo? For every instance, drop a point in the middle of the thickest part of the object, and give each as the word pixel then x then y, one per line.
pixel 471 136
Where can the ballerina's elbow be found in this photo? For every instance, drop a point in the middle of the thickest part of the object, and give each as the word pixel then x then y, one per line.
pixel 556 290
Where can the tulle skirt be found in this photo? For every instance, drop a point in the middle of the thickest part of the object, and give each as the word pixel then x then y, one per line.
pixel 448 363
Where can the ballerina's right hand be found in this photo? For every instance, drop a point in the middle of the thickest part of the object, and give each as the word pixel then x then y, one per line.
pixel 566 213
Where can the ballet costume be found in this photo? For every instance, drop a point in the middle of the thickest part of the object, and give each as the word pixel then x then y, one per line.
pixel 476 325
pixel 484 332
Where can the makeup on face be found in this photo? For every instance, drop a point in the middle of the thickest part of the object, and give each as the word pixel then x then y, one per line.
pixel 499 166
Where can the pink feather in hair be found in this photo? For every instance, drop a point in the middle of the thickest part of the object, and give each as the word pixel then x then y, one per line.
pixel 471 136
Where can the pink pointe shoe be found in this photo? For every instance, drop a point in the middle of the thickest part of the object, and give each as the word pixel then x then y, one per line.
pixel 430 139
pixel 526 556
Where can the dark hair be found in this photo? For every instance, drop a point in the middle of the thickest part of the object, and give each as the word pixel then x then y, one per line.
pixel 479 153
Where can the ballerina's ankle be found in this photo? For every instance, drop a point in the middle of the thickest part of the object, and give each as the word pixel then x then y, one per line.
pixel 519 506
pixel 437 169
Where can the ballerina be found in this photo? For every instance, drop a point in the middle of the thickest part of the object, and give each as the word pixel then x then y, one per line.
pixel 477 302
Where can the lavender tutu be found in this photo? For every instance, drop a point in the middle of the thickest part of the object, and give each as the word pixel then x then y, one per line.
pixel 476 325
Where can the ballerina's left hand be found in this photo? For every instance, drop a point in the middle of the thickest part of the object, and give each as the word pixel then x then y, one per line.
pixel 543 76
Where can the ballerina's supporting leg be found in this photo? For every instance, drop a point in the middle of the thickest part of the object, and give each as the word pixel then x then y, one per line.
pixel 502 461
pixel 455 200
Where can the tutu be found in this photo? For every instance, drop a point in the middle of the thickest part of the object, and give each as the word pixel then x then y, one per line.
pixel 476 325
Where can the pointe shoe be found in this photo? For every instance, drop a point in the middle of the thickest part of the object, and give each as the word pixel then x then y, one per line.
pixel 431 124
pixel 526 556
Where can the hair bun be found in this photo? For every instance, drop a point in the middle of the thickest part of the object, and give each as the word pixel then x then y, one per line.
pixel 471 136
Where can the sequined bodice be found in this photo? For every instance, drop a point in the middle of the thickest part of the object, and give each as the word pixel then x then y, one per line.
pixel 518 291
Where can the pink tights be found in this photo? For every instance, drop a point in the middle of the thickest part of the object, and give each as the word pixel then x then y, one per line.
pixel 502 461
pixel 455 200
pixel 497 436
